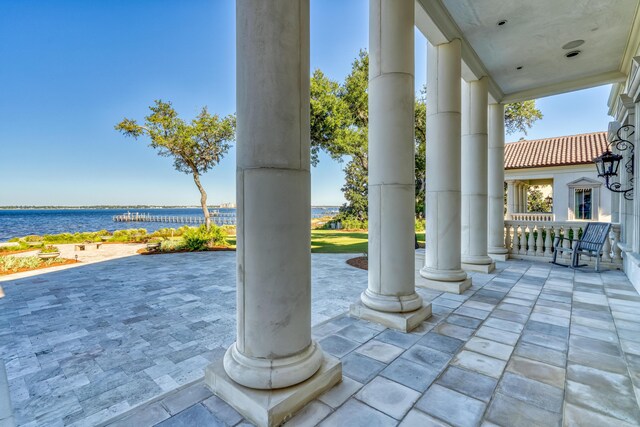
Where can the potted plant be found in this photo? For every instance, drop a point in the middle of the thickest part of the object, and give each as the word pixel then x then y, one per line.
pixel 48 252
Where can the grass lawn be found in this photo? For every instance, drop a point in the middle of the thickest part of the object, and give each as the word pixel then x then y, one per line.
pixel 336 241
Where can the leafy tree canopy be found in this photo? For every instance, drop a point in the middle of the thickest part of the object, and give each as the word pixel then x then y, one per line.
pixel 339 126
pixel 195 147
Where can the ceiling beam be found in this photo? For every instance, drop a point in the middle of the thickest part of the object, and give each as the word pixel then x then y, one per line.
pixel 437 25
pixel 566 86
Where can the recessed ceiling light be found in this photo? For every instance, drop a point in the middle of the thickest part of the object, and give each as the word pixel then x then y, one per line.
pixel 519 67
pixel 501 22
pixel 572 54
pixel 573 44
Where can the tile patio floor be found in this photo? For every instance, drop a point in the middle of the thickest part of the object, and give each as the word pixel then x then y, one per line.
pixel 86 344
pixel 531 345
pixel 527 345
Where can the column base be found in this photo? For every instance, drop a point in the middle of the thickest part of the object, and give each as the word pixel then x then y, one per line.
pixel 481 268
pixel 498 253
pixel 499 257
pixel 391 303
pixel 268 408
pixel 404 322
pixel 456 287
pixel 267 374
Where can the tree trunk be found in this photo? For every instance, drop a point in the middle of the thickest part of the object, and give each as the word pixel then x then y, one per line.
pixel 203 199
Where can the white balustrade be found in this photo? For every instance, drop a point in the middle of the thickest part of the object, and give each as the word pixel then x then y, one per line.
pixel 533 240
pixel 533 216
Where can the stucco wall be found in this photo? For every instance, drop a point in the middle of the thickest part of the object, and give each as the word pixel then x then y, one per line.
pixel 562 176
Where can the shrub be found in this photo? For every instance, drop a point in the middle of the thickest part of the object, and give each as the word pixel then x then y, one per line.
pixel 171 245
pixel 49 249
pixel 130 235
pixel 93 236
pixel 420 224
pixel 197 239
pixel 33 238
pixel 13 264
pixel 354 224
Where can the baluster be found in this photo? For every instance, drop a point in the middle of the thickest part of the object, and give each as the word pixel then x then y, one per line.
pixel 614 235
pixel 516 240
pixel 507 237
pixel 539 242
pixel 606 250
pixel 531 243
pixel 523 240
pixel 576 232
pixel 566 243
pixel 547 242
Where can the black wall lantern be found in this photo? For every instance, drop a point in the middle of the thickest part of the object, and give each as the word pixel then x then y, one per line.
pixel 608 163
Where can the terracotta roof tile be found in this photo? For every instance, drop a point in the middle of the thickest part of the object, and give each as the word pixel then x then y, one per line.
pixel 558 151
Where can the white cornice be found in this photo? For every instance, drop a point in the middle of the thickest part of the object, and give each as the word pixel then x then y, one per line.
pixel 563 87
pixel 633 42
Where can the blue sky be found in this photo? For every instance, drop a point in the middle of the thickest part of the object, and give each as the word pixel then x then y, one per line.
pixel 73 68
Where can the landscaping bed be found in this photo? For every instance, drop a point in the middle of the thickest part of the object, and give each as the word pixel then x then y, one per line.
pixel 11 265
pixel 361 262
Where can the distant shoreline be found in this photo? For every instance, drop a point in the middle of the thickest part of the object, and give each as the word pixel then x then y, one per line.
pixel 17 208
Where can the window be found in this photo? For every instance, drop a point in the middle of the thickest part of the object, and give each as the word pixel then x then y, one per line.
pixel 583 203
pixel 584 199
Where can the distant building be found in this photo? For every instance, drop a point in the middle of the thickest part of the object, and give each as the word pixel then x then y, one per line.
pixel 563 166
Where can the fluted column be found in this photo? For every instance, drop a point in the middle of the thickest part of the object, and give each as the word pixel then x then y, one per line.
pixel 391 287
pixel 474 176
pixel 495 184
pixel 525 197
pixel 273 347
pixel 442 268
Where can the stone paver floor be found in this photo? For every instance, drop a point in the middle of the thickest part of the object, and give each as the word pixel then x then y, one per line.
pixel 87 344
pixel 531 345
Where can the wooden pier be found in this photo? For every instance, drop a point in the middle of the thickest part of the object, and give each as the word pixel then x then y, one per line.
pixel 217 218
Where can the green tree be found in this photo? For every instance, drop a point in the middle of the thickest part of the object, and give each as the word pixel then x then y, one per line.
pixel 536 201
pixel 339 127
pixel 520 116
pixel 195 147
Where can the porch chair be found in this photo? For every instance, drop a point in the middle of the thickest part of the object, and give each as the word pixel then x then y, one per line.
pixel 591 243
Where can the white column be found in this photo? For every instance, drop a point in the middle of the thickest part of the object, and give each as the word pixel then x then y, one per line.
pixel 519 197
pixel 474 177
pixel 495 184
pixel 391 185
pixel 525 198
pixel 442 267
pixel 273 348
pixel 511 199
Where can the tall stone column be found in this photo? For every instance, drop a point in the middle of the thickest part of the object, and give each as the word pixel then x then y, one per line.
pixel 442 267
pixel 495 184
pixel 511 199
pixel 524 198
pixel 273 348
pixel 391 298
pixel 475 96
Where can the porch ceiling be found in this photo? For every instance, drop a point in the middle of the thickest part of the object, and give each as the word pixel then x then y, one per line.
pixel 533 38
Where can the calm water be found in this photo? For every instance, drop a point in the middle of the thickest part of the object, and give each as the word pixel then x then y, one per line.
pixel 22 222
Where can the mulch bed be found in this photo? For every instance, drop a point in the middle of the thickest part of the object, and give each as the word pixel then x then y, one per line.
pixel 6 253
pixel 359 262
pixel 62 261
